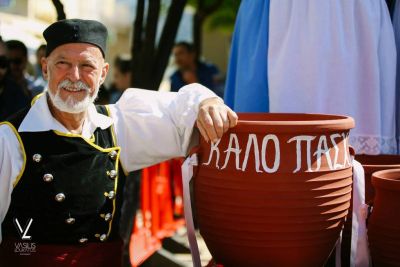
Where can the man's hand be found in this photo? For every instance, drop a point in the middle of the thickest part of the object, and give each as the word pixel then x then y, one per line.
pixel 215 118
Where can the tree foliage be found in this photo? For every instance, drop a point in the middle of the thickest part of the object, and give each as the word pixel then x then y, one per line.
pixel 224 18
pixel 220 14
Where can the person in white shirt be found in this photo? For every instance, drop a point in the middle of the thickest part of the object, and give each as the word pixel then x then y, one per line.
pixel 62 162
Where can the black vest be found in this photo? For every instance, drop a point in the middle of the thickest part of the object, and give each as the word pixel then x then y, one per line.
pixel 71 187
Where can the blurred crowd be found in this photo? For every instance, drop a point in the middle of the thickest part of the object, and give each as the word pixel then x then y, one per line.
pixel 21 80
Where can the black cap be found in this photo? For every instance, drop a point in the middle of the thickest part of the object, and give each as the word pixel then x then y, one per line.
pixel 75 31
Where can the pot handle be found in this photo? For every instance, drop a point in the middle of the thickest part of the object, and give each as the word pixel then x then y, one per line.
pixel 187 175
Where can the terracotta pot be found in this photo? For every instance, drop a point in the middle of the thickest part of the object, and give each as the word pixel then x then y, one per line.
pixel 383 225
pixel 373 163
pixel 275 190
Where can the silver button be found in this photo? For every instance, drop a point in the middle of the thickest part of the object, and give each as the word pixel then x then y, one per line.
pixel 108 217
pixel 112 174
pixel 70 220
pixel 103 237
pixel 83 240
pixel 113 154
pixel 60 197
pixel 37 157
pixel 111 195
pixel 48 177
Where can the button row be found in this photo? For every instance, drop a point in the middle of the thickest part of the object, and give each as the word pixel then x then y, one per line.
pixel 60 197
pixel 101 237
pixel 38 158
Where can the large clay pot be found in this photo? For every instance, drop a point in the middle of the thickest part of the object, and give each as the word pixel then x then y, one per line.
pixel 275 190
pixel 373 163
pixel 383 224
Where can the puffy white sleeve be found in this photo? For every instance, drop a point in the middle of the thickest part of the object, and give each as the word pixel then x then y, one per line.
pixel 11 164
pixel 152 127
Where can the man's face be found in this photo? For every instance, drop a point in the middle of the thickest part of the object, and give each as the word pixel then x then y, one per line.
pixel 74 72
pixel 183 58
pixel 18 62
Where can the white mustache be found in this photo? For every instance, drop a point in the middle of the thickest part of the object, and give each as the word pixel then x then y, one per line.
pixel 73 86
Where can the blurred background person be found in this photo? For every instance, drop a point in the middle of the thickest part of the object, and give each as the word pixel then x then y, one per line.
pixel 121 77
pixel 192 70
pixel 39 83
pixel 40 52
pixel 12 96
pixel 121 81
pixel 17 54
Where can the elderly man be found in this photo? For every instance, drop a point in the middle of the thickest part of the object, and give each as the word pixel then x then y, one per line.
pixel 62 162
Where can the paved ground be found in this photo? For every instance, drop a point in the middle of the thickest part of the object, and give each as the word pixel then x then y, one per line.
pixel 186 258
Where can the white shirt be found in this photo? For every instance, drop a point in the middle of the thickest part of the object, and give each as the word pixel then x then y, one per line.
pixel 150 127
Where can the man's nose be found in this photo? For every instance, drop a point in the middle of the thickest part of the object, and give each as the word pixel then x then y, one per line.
pixel 74 73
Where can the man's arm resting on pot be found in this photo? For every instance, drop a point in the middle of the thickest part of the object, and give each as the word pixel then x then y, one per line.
pixel 152 127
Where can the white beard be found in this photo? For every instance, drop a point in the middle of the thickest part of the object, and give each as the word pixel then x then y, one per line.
pixel 70 105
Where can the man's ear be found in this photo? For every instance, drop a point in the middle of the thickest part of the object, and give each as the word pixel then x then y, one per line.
pixel 44 67
pixel 104 72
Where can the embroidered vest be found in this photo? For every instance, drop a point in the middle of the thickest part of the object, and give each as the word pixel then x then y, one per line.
pixel 71 187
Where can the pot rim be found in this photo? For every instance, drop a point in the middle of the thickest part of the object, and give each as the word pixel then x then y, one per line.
pixel 387 179
pixel 294 122
pixel 370 165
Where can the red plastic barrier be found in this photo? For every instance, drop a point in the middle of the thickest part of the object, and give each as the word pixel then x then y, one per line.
pixel 176 173
pixel 160 205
